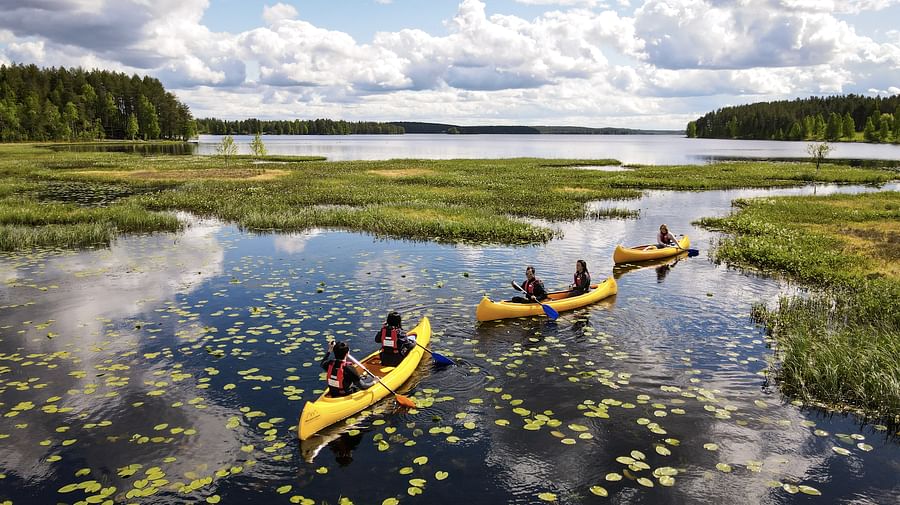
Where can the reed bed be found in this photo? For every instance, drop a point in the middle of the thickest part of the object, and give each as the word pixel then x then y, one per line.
pixel 838 345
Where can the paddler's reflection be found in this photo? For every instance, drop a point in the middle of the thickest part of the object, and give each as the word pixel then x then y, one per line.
pixel 343 446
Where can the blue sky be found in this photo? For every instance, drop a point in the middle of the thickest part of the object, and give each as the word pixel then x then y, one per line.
pixel 631 63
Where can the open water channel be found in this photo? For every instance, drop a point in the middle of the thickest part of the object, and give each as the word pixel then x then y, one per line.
pixel 173 367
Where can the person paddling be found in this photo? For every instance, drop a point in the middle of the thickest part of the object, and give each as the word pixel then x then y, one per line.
pixel 341 376
pixel 665 239
pixel 581 280
pixel 534 288
pixel 395 343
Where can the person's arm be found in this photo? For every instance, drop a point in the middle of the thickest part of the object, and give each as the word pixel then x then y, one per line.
pixel 327 359
pixel 378 336
pixel 539 291
pixel 361 382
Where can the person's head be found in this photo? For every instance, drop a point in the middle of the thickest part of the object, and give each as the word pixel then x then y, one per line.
pixel 394 319
pixel 340 350
pixel 663 229
pixel 529 272
pixel 581 266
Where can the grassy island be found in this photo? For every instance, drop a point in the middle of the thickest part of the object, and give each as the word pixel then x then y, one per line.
pixel 50 198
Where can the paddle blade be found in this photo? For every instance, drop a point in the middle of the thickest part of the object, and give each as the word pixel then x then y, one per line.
pixel 693 252
pixel 440 359
pixel 406 402
pixel 551 313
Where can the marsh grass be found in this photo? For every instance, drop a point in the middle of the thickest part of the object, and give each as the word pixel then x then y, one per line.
pixel 613 213
pixel 19 238
pixel 839 345
pixel 481 201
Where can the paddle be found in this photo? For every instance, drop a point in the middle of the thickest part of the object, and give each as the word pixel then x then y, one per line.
pixel 402 400
pixel 439 359
pixel 551 313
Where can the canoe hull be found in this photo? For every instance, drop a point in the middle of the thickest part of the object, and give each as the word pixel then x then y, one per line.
pixel 643 253
pixel 326 411
pixel 489 310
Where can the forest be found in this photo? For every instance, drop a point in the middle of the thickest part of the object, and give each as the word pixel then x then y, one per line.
pixel 215 126
pixel 833 118
pixel 40 104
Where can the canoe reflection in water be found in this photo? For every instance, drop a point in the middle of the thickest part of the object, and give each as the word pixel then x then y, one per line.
pixel 343 447
pixel 662 266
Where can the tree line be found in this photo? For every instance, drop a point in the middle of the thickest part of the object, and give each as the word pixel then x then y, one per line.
pixel 830 118
pixel 39 104
pixel 214 126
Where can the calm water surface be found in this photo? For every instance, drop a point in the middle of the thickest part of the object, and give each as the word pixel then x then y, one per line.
pixel 173 368
pixel 629 149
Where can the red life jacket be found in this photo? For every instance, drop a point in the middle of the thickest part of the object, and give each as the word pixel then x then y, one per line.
pixel 390 339
pixel 529 286
pixel 336 380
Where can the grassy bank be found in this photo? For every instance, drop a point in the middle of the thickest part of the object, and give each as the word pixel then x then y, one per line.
pixel 447 200
pixel 840 344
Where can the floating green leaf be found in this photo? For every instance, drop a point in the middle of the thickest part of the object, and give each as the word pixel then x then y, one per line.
pixel 599 491
pixel 810 491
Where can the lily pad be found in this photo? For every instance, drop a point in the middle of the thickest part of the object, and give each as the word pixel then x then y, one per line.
pixel 599 491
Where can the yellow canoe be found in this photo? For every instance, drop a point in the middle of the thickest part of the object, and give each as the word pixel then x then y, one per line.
pixel 327 410
pixel 647 252
pixel 489 310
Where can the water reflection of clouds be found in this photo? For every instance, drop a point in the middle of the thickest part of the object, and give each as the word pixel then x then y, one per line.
pixel 98 290
pixel 295 243
pixel 132 273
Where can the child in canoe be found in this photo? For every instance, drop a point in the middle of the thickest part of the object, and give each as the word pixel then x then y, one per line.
pixel 582 279
pixel 664 238
pixel 395 343
pixel 341 376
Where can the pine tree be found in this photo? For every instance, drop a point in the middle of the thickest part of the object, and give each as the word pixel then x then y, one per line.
pixel 869 132
pixel 732 127
pixel 884 133
pixel 834 129
pixel 691 130
pixel 820 127
pixel 849 126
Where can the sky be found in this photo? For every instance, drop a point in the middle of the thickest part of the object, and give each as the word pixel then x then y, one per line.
pixel 654 64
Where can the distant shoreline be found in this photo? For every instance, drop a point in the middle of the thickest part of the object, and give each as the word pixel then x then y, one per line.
pixel 414 127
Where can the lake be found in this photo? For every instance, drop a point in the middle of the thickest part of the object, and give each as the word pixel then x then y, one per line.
pixel 173 367
pixel 629 149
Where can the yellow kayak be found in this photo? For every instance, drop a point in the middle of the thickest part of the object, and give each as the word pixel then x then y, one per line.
pixel 327 410
pixel 489 310
pixel 647 252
